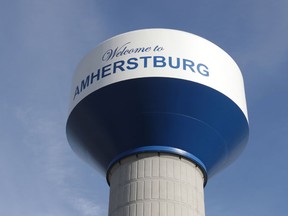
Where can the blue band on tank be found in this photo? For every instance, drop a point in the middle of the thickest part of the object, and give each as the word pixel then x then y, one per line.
pixel 163 149
pixel 194 120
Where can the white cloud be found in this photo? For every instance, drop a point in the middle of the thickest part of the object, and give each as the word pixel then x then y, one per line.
pixel 42 43
pixel 88 208
pixel 55 165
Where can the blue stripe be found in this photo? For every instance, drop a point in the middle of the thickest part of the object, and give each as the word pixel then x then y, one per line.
pixel 160 149
pixel 159 113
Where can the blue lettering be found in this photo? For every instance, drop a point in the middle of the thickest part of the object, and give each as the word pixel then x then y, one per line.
pixel 159 61
pixel 119 65
pixel 202 71
pixel 85 83
pixel 105 69
pixel 76 92
pixel 133 62
pixel 93 76
pixel 189 64
pixel 108 55
pixel 145 60
pixel 177 63
pixel 120 53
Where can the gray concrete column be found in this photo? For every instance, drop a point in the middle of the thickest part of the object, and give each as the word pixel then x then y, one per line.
pixel 153 184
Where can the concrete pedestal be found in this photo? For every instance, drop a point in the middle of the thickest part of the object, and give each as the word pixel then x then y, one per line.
pixel 156 184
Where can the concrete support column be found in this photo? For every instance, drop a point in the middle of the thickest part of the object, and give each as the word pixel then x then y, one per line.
pixel 156 184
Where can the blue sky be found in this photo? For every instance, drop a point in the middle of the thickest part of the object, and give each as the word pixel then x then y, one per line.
pixel 41 42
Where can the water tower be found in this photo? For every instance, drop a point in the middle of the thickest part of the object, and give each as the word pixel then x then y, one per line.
pixel 160 111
